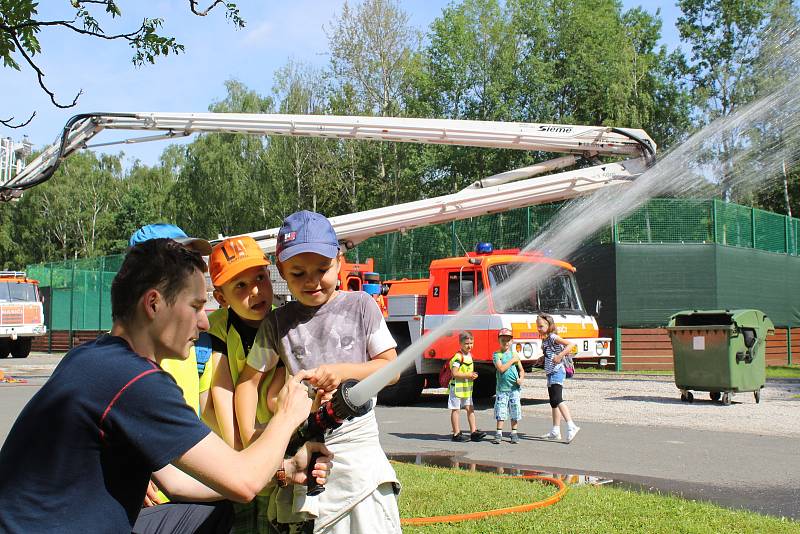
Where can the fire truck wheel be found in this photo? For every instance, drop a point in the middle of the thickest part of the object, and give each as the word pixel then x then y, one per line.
pixel 5 347
pixel 406 391
pixel 21 347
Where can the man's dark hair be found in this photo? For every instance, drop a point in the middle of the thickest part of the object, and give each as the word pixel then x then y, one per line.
pixel 161 264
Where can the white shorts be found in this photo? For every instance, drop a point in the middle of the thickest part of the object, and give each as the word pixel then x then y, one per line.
pixel 457 403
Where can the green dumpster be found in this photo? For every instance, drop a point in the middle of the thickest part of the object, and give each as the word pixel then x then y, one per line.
pixel 719 351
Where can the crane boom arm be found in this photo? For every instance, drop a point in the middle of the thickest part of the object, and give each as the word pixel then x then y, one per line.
pixel 568 139
pixel 354 228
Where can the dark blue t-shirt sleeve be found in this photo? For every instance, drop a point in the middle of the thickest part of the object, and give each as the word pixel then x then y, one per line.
pixel 151 417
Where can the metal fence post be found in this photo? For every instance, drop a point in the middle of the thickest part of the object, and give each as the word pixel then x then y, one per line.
pixel 614 230
pixel 786 223
pixel 50 314
pixel 789 345
pixel 753 225
pixel 618 348
pixel 714 219
pixel 100 294
pixel 71 302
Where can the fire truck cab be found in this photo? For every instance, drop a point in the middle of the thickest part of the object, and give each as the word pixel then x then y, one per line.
pixel 21 314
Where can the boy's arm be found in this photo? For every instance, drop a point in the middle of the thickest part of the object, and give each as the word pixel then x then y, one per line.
pixel 240 475
pixel 245 400
pixel 328 377
pixel 278 380
pixel 503 367
pixel 222 397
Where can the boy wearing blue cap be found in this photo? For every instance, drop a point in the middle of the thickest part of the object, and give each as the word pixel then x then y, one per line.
pixel 335 335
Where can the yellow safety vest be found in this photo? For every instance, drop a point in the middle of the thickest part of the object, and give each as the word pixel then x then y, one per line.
pixel 462 387
pixel 221 328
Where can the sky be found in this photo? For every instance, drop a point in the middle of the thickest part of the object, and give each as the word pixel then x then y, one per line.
pixel 215 52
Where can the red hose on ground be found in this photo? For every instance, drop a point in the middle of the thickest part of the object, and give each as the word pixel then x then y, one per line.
pixel 562 490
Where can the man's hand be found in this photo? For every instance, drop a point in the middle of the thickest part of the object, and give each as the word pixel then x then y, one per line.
pixel 297 465
pixel 474 376
pixel 293 400
pixel 151 495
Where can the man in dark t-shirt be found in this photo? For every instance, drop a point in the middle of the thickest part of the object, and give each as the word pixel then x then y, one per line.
pixel 79 456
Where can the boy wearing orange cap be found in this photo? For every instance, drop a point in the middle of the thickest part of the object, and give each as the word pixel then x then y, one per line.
pixel 242 286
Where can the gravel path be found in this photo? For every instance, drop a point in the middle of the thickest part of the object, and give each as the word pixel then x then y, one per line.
pixel 655 401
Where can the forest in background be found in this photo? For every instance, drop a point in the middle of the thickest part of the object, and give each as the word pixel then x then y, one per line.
pixel 552 61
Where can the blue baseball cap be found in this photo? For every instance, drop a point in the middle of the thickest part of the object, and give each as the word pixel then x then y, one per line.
pixel 170 231
pixel 306 231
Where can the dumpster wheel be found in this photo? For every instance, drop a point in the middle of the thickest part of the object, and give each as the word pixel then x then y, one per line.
pixel 726 398
pixel 715 395
pixel 687 396
pixel 757 395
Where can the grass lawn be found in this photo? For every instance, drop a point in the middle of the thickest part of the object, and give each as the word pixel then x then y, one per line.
pixel 784 371
pixel 429 491
pixel 781 371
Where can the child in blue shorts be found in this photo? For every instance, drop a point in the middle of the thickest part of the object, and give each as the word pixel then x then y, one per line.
pixel 555 349
pixel 509 375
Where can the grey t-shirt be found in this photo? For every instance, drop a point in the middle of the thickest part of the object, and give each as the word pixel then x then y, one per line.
pixel 347 329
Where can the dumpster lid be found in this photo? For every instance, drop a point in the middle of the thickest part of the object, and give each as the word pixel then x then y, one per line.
pixel 743 318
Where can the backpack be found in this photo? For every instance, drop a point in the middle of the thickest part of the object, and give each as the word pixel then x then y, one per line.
pixel 569 366
pixel 445 374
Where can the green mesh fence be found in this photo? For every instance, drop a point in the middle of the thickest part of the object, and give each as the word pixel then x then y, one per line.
pixel 666 220
pixel 734 224
pixel 770 231
pixel 79 290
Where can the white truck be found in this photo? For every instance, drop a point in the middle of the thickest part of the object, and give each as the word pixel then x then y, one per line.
pixel 414 307
pixel 21 314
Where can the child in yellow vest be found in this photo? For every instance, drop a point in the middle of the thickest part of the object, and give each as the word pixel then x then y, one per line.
pixel 460 390
pixel 242 286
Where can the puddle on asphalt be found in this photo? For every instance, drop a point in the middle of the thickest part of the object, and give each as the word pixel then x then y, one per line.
pixel 456 461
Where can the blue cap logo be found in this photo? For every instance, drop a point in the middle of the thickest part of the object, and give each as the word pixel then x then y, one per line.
pixel 306 231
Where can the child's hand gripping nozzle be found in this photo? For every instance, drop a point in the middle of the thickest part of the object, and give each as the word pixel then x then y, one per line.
pixel 329 416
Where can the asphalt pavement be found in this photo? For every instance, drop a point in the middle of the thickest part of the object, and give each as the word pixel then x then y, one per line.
pixel 757 472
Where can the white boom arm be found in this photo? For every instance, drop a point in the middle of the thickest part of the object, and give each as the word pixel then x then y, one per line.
pixel 589 141
pixel 354 228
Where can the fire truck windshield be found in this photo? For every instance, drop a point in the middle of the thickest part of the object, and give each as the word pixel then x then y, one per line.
pixel 556 294
pixel 17 292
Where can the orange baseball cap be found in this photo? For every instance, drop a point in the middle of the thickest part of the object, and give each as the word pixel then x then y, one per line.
pixel 233 256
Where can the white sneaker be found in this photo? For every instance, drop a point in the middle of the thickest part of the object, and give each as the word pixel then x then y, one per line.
pixel 572 432
pixel 552 435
